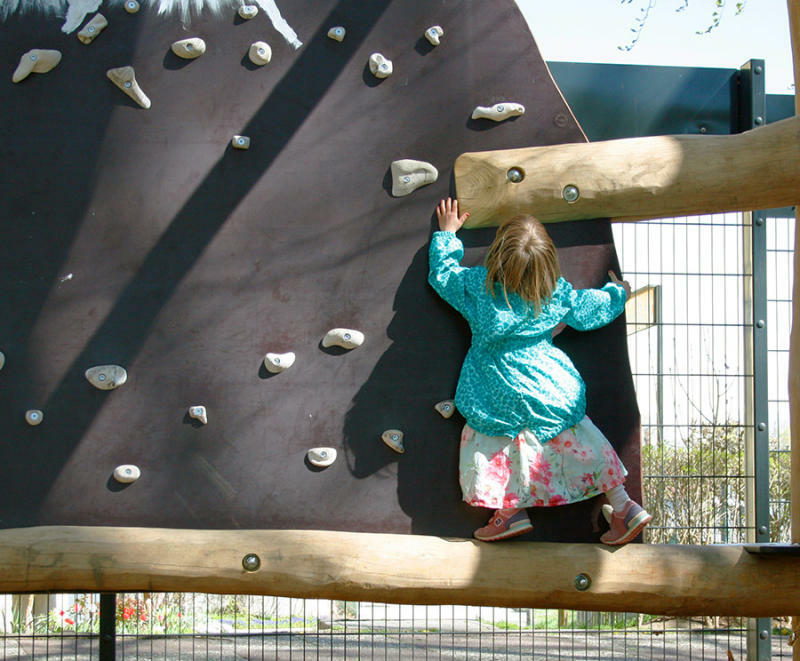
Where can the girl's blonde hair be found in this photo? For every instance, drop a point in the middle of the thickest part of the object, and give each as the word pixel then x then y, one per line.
pixel 523 260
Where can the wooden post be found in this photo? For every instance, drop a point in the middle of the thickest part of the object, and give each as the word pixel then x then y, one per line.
pixel 634 178
pixel 794 341
pixel 412 569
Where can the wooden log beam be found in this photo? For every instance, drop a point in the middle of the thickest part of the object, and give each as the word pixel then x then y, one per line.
pixel 794 339
pixel 635 178
pixel 658 579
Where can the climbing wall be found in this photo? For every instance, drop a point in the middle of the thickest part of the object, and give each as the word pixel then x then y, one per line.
pixel 140 237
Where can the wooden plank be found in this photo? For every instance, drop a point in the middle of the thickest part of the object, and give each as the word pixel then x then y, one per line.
pixel 659 579
pixel 794 339
pixel 635 178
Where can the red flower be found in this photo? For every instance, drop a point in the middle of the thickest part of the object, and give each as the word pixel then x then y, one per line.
pixel 127 612
pixel 499 468
pixel 70 622
pixel 143 617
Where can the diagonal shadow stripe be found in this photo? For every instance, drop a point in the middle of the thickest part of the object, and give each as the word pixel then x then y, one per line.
pixel 128 324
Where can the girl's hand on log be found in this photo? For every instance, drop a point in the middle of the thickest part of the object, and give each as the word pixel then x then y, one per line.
pixel 447 215
pixel 622 283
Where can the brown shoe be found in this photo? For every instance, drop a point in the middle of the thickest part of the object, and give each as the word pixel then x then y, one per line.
pixel 626 525
pixel 504 524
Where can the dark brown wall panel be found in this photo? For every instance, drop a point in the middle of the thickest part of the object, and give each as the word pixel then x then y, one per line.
pixel 141 238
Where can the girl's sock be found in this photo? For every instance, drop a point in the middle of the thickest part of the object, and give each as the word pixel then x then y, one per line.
pixel 618 497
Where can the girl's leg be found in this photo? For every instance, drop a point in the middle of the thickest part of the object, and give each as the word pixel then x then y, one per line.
pixel 504 523
pixel 626 518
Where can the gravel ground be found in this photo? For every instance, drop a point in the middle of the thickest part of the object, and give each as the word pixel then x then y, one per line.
pixel 484 645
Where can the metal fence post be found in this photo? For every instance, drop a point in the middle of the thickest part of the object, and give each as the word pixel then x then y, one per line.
pixel 751 114
pixel 108 626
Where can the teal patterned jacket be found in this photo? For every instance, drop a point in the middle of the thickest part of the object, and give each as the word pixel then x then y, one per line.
pixel 513 377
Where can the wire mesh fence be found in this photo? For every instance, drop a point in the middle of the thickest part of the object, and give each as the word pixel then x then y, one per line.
pixel 690 331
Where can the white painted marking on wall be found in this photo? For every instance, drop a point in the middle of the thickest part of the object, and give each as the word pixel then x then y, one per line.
pixel 76 12
pixel 279 22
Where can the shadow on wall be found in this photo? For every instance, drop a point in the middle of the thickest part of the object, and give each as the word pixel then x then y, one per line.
pixel 421 368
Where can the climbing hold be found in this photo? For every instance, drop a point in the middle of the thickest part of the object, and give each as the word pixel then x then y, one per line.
pixel 499 111
pixel 36 61
pixel 2 360
pixel 337 33
pixel 380 66
pixel 433 34
pixel 408 175
pixel 278 362
pixel 240 142
pixel 343 337
pixel 190 48
pixel 321 457
pixel 198 413
pixel 92 29
pixel 131 6
pixel 125 79
pixel 394 439
pixel 260 53
pixel 34 417
pixel 106 377
pixel 248 11
pixel 446 408
pixel 127 473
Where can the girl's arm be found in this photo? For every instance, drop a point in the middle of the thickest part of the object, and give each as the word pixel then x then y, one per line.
pixel 446 274
pixel 593 308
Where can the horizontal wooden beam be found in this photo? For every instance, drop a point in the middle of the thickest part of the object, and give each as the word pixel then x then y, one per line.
pixel 635 178
pixel 658 579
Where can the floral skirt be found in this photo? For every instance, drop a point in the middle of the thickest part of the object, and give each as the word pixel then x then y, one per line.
pixel 501 472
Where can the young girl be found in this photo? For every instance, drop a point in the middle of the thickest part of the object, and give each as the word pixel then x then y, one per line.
pixel 527 441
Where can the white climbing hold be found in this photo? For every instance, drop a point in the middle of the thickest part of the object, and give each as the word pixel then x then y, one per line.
pixel 198 413
pixel 189 48
pixel 260 53
pixel 37 60
pixel 343 337
pixel 380 66
pixel 131 6
pixel 434 34
pixel 408 175
pixel 106 377
pixel 240 142
pixel 499 111
pixel 394 439
pixel 2 360
pixel 127 473
pixel 125 79
pixel 247 12
pixel 337 33
pixel 278 362
pixel 321 457
pixel 34 417
pixel 446 408
pixel 92 29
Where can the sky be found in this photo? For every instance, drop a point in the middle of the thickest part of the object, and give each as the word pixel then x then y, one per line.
pixel 592 31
